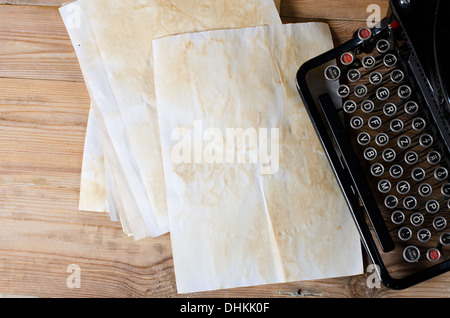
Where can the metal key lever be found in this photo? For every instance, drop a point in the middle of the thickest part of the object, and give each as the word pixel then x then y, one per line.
pixel 356 173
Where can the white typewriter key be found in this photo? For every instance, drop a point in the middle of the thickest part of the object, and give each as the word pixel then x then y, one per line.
pixel 445 190
pixel 389 154
pixel 370 153
pixel 425 189
pixel 391 201
pixel 404 91
pixel 418 174
pixel 396 171
pixel 433 254
pixel 419 124
pixel 383 46
pixel 343 91
pixel 396 125
pixel 426 140
pixel 424 235
pixel 381 139
pixel 383 93
pixel 411 108
pixel 375 78
pixel 374 122
pixel 403 141
pixel 377 169
pixel 432 206
pixel 332 73
pixel 398 217
pixel 356 122
pixel 403 187
pixel 349 106
pixel 353 75
pixel 441 173
pixel 417 219
pixel 390 60
pixel 411 157
pixel 434 157
pixel 389 109
pixel 368 62
pixel 397 76
pixel 384 186
pixel 411 254
pixel 360 90
pixel 439 223
pixel 363 139
pixel 367 106
pixel 409 202
pixel 445 239
pixel 405 233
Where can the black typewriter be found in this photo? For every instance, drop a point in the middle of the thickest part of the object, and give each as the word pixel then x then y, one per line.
pixel 381 108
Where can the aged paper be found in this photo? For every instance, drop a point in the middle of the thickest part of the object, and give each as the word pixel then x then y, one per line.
pixel 251 196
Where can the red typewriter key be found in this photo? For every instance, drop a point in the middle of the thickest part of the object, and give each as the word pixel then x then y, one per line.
pixel 347 58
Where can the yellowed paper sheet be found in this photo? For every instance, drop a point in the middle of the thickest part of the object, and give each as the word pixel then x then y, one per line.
pixel 239 213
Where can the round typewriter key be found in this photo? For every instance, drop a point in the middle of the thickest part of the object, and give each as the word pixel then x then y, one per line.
pixel 374 122
pixel 383 93
pixel 409 202
pixel 434 157
pixel 391 202
pixel 363 139
pixel 356 122
pixel 370 153
pixel 432 206
pixel 403 141
pixel 424 235
pixel 381 139
pixel 397 217
pixel 349 106
pixel 353 75
pixel 390 60
pixel 377 169
pixel 332 73
pixel 383 46
pixel 411 157
pixel 384 186
pixel 389 109
pixel 404 91
pixel 375 78
pixel 405 233
pixel 441 173
pixel 368 62
pixel 418 124
pixel 364 33
pixel 416 219
pixel 396 125
pixel 397 76
pixel 411 254
pixel 433 254
pixel 367 106
pixel 403 187
pixel 448 203
pixel 426 140
pixel 343 91
pixel 388 154
pixel 425 189
pixel 396 171
pixel 445 189
pixel 418 174
pixel 360 90
pixel 439 223
pixel 411 107
pixel 347 58
pixel 445 238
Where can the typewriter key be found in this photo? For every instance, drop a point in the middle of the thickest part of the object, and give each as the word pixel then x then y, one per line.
pixel 347 58
pixel 404 91
pixel 381 139
pixel 375 78
pixel 332 73
pixel 411 107
pixel 343 91
pixel 396 171
pixel 388 154
pixel 434 157
pixel 367 106
pixel 445 189
pixel 384 186
pixel 403 187
pixel 383 46
pixel 363 139
pixel 377 169
pixel 425 189
pixel 390 60
pixel 360 90
pixel 445 238
pixel 411 254
pixel 368 62
pixel 383 93
pixel 397 217
pixel 433 254
pixel 441 173
pixel 353 75
pixel 389 109
pixel 418 174
pixel 409 202
pixel 405 233
pixel 403 141
pixel 439 223
pixel 424 235
pixel 370 153
pixel 411 157
pixel 417 219
pixel 356 122
pixel 396 125
pixel 374 122
pixel 397 76
pixel 364 34
pixel 391 201
pixel 418 124
pixel 432 206
pixel 349 106
pixel 426 140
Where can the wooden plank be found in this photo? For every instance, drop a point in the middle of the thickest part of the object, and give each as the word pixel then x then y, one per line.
pixel 50 3
pixel 35 44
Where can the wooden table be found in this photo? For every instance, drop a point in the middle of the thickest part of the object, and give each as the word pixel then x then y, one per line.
pixel 43 114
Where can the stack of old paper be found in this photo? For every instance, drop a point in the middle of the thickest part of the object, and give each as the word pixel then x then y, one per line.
pixel 196 127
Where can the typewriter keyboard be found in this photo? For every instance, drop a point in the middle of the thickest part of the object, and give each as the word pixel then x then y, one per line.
pixel 405 163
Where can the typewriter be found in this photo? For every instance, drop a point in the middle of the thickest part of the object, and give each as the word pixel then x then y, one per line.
pixel 380 106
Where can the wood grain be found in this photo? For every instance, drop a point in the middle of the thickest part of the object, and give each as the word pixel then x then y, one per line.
pixel 43 113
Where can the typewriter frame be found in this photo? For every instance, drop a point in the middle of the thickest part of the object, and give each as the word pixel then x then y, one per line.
pixel 328 136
